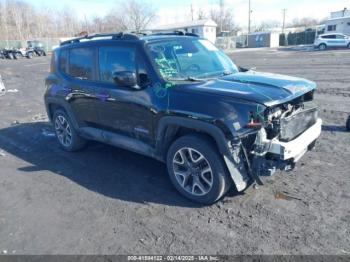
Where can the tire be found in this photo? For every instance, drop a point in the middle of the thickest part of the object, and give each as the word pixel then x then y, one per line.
pixel 322 47
pixel 348 123
pixel 66 135
pixel 10 56
pixel 44 53
pixel 185 172
pixel 17 56
pixel 349 45
pixel 30 55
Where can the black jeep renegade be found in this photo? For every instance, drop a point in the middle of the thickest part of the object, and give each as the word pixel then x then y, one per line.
pixel 178 99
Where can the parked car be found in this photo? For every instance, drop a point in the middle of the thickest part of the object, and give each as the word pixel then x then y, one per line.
pixel 37 47
pixel 322 42
pixel 8 53
pixel 180 100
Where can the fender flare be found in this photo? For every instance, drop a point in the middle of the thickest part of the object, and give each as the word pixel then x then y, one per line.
pixel 49 101
pixel 207 128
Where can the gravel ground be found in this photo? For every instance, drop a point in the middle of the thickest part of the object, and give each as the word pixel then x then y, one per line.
pixel 106 200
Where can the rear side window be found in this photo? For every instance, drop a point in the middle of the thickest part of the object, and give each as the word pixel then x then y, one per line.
pixel 53 61
pixel 81 61
pixel 63 61
pixel 340 37
pixel 115 59
pixel 329 36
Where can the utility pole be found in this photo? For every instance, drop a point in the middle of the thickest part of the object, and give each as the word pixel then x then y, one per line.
pixel 249 12
pixel 192 11
pixel 284 19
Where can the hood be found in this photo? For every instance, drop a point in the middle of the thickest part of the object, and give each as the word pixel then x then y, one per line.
pixel 264 88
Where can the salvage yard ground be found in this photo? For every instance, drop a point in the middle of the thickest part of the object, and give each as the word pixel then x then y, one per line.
pixel 106 200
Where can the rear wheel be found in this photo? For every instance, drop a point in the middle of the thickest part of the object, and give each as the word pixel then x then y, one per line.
pixel 349 45
pixel 322 47
pixel 65 132
pixel 197 169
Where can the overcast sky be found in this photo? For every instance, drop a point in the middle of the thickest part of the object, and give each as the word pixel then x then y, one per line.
pixel 179 10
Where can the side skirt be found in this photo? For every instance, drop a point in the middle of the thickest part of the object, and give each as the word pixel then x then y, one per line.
pixel 120 141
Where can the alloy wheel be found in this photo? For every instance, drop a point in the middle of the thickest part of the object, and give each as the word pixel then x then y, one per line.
pixel 192 171
pixel 63 131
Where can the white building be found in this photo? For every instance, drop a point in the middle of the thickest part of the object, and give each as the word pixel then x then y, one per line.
pixel 339 22
pixel 205 28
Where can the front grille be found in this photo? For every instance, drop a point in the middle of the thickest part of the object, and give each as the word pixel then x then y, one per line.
pixel 294 125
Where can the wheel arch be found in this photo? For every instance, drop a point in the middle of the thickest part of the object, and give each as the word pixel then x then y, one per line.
pixel 172 127
pixel 52 105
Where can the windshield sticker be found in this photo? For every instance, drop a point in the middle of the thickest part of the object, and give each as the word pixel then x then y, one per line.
pixel 208 45
pixel 165 68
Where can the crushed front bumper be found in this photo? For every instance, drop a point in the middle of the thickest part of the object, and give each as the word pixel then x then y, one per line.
pixel 295 149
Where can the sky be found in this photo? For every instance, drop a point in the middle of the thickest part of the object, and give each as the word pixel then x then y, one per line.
pixel 179 10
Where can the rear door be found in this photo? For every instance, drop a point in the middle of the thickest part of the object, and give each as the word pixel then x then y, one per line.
pixel 77 66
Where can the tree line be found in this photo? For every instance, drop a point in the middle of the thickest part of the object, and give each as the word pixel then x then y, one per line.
pixel 20 20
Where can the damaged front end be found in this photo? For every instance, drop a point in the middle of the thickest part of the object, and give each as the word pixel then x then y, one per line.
pixel 283 134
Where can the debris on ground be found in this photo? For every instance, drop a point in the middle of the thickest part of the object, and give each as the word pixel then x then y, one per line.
pixel 12 91
pixel 14 123
pixel 284 196
pixel 38 117
pixel 2 87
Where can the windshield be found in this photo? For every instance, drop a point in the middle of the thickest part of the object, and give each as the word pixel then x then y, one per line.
pixel 185 58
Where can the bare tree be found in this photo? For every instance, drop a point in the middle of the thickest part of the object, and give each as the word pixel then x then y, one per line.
pixel 137 14
pixel 223 16
pixel 267 25
pixel 305 21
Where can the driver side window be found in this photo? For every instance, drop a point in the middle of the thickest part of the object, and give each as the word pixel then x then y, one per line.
pixel 115 59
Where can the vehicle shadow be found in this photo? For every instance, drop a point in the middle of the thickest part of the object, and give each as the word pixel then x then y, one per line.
pixel 334 128
pixel 104 169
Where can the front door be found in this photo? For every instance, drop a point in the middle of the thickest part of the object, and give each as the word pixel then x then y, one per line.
pixel 121 109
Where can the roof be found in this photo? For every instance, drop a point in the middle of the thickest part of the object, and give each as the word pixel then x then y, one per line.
pixel 338 18
pixel 203 22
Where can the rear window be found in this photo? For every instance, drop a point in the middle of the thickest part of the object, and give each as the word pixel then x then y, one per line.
pixel 81 61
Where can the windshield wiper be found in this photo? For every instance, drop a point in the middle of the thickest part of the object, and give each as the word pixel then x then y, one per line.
pixel 188 78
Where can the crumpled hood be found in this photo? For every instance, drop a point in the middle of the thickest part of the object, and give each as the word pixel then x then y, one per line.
pixel 264 88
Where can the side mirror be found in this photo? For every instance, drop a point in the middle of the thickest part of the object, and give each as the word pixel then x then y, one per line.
pixel 125 78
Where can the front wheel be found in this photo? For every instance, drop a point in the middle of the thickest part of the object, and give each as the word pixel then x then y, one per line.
pixel 67 136
pixel 197 169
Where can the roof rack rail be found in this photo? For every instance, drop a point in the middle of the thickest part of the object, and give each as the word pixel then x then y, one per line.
pixel 113 36
pixel 176 33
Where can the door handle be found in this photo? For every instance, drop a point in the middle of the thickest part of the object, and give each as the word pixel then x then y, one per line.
pixel 67 89
pixel 103 96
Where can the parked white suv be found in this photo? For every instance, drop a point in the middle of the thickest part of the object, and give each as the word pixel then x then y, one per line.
pixel 325 41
